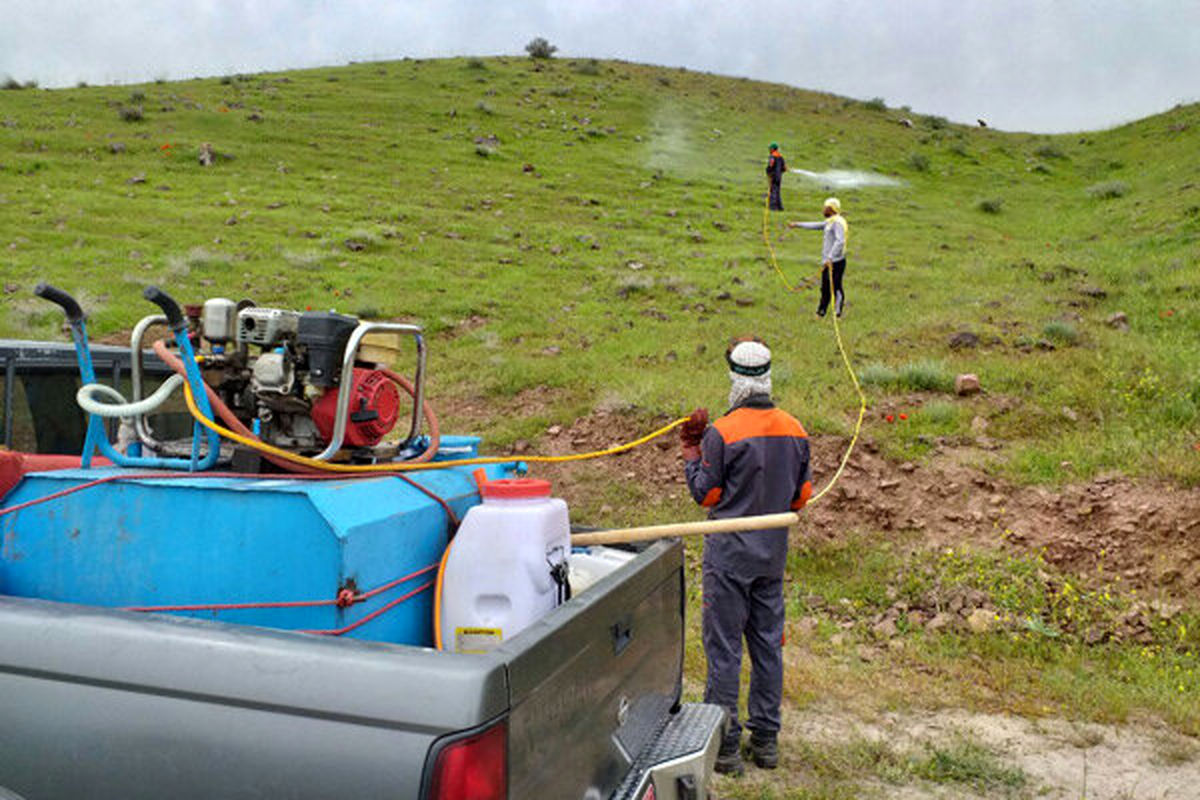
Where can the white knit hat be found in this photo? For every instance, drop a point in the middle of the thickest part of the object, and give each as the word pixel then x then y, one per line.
pixel 749 370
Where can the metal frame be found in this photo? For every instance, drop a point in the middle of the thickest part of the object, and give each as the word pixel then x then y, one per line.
pixel 348 359
pixel 140 426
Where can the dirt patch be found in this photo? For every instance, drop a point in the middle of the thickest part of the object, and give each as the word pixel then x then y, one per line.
pixel 1060 759
pixel 1142 534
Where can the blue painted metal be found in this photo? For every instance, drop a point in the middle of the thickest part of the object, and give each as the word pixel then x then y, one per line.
pixel 96 438
pixel 197 540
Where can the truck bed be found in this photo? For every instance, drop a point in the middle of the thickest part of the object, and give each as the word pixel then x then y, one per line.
pixel 102 703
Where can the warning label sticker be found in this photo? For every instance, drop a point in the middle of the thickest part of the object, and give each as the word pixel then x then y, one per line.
pixel 476 640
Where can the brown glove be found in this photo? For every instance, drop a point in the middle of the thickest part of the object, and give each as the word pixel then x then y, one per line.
pixel 692 431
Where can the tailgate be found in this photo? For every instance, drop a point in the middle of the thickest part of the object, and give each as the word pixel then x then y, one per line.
pixel 593 683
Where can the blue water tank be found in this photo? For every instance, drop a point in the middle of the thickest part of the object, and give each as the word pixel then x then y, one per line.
pixel 202 541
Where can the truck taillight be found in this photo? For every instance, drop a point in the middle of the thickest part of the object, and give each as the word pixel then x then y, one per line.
pixel 650 795
pixel 474 768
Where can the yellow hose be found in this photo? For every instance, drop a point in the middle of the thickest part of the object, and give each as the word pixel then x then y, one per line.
pixel 295 458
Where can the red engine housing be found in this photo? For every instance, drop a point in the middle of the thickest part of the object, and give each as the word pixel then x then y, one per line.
pixel 374 408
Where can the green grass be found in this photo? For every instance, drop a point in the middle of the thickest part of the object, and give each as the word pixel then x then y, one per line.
pixel 628 163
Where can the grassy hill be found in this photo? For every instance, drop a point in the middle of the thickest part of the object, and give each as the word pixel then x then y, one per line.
pixel 613 211
pixel 587 235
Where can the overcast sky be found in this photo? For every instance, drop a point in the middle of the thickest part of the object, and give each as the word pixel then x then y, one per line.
pixel 1039 65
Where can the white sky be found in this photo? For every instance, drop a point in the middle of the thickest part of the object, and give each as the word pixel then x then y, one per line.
pixel 1040 65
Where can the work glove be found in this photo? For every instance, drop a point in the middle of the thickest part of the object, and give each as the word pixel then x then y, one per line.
pixel 692 431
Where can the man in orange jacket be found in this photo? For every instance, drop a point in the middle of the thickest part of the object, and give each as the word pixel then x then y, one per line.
pixel 754 460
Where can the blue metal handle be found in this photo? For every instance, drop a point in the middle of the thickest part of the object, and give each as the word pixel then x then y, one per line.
pixel 96 438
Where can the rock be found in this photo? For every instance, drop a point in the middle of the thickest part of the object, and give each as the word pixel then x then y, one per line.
pixel 963 339
pixel 905 121
pixel 635 265
pixel 940 620
pixel 907 466
pixel 978 424
pixel 980 620
pixel 232 220
pixel 1069 413
pixel 552 350
pixel 1118 321
pixel 885 629
pixel 10 288
pixel 889 484
pixel 1094 292
pixel 554 430
pixel 520 446
pixel 206 155
pixel 355 245
pixel 967 384
pixel 1045 344
pixel 116 148
pixel 254 116
pixel 527 167
pixel 837 640
pixel 139 178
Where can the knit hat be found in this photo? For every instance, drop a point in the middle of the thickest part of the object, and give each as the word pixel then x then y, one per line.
pixel 749 362
pixel 834 203
pixel 774 145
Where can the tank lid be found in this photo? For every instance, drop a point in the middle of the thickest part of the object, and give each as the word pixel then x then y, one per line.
pixel 515 488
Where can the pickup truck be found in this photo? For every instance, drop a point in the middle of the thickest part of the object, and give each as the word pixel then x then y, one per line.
pixel 104 703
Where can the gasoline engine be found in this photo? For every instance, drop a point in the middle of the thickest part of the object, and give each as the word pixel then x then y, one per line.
pixel 287 375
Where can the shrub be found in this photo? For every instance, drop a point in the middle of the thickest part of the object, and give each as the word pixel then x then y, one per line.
pixel 131 113
pixel 589 67
pixel 1108 190
pixel 12 83
pixel 1041 169
pixel 936 123
pixel 81 84
pixel 1049 150
pixel 476 63
pixel 920 376
pixel 875 104
pixel 940 413
pixel 958 148
pixel 919 162
pixel 484 108
pixel 559 91
pixel 925 376
pixel 226 80
pixel 877 375
pixel 137 97
pixel 540 48
pixel 776 105
pixel 1061 333
pixel 990 205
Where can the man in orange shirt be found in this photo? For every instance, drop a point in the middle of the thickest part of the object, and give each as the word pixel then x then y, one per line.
pixel 754 460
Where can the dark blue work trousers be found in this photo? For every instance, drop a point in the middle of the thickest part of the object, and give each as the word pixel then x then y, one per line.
pixel 734 608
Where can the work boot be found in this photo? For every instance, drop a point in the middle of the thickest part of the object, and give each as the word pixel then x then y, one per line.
pixel 764 749
pixel 729 757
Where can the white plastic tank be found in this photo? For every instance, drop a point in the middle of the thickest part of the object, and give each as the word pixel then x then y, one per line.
pixel 506 567
pixel 590 564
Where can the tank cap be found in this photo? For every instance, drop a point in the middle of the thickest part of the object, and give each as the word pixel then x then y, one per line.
pixel 515 488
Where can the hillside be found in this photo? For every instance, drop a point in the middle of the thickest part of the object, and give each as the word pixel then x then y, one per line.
pixel 399 190
pixel 581 239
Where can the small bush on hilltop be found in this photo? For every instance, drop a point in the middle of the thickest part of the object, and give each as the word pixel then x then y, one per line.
pixel 540 48
pixel 875 104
